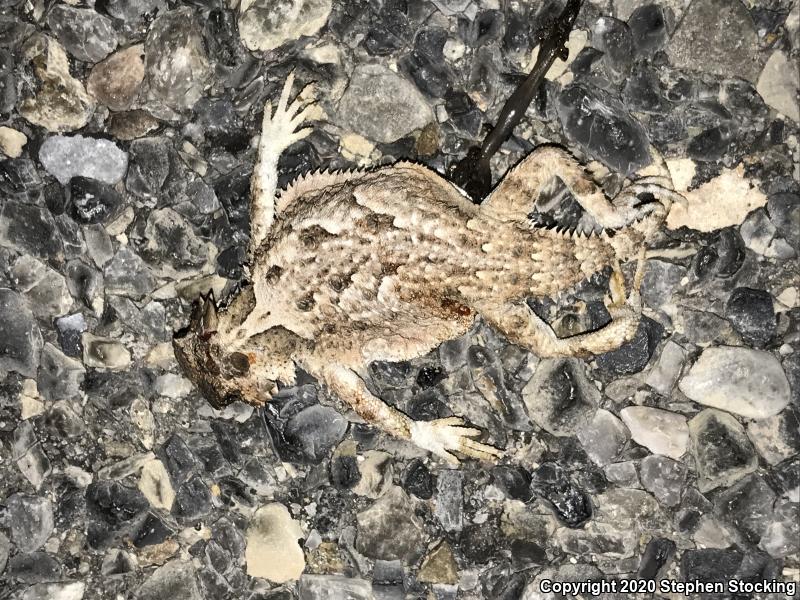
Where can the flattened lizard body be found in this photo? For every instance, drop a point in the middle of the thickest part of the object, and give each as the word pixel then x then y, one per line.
pixel 352 267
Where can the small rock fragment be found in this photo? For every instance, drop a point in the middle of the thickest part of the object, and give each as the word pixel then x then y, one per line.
pixel 776 438
pixel 716 36
pixel 721 449
pixel 781 537
pixel 128 275
pixel 116 81
pixel 389 529
pixel 752 314
pixel 604 437
pixel 86 34
pixel 721 202
pixel 559 397
pixel 176 580
pixel 20 338
pixel 266 24
pixel 660 431
pixel 439 566
pixel 747 505
pixel 665 372
pixel 31 230
pixel 746 382
pixel 450 500
pixel 663 477
pixel 571 504
pixel 104 353
pixel 381 105
pixel 600 124
pixel 333 587
pixel 30 521
pixel 61 103
pixel 175 60
pixel 272 549
pixel 154 483
pixel 65 157
pixel 778 84
pixel 12 141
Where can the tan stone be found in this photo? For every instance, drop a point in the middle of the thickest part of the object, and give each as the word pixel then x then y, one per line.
pixel 12 141
pixel 154 483
pixel 116 81
pixel 439 566
pixel 272 549
pixel 724 201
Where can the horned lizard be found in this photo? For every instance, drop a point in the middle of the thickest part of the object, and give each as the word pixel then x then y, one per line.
pixel 386 264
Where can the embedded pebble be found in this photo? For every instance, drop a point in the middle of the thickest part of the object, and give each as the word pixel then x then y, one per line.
pixel 604 437
pixel 86 35
pixel 31 230
pixel 720 36
pixel 382 106
pixel 721 449
pixel 116 81
pixel 45 288
pixel 154 483
pixel 781 536
pixel 744 381
pixel 104 353
pixel 272 550
pixel 570 503
pixel 29 520
pixel 559 397
pixel 12 142
pixel 778 84
pixel 660 431
pixel 752 314
pixel 663 477
pixel 265 25
pixel 389 529
pixel 590 115
pixel 333 587
pixel 61 104
pixel 665 373
pixel 176 62
pixel 449 500
pixel 723 201
pixel 127 274
pixel 66 157
pixel 776 438
pixel 648 25
pixel 747 506
pixel 176 580
pixel 20 338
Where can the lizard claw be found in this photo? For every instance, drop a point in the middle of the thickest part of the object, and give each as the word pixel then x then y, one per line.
pixel 284 127
pixel 442 436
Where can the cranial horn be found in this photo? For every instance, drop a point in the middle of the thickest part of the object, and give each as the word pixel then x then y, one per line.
pixel 209 322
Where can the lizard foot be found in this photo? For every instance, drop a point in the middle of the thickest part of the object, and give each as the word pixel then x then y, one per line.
pixel 442 436
pixel 283 127
pixel 618 303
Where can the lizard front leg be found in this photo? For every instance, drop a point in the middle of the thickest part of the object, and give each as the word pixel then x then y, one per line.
pixel 522 326
pixel 279 130
pixel 441 436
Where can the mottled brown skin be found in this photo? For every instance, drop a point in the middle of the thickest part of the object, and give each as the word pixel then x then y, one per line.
pixel 349 268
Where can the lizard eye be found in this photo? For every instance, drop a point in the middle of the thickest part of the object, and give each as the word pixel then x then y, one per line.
pixel 239 363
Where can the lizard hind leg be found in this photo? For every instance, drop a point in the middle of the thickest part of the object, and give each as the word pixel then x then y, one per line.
pixel 441 436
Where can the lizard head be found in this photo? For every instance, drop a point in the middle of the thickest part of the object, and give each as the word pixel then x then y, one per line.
pixel 250 371
pixel 221 376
